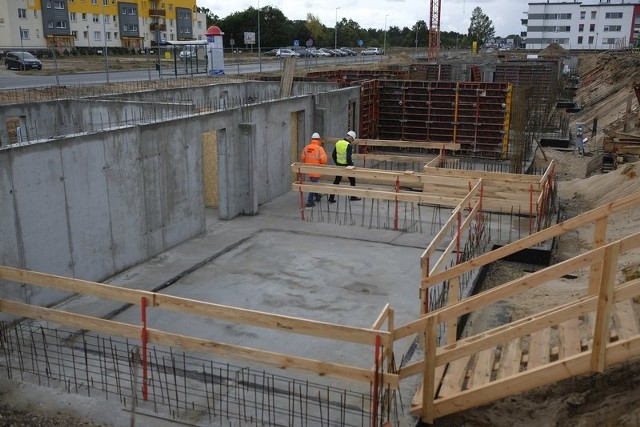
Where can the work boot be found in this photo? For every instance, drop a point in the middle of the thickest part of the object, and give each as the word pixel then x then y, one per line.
pixel 332 199
pixel 354 198
pixel 318 197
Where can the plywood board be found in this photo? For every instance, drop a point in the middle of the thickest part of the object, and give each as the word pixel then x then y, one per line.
pixel 210 168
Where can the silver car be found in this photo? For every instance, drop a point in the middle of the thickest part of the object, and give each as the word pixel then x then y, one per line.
pixel 287 53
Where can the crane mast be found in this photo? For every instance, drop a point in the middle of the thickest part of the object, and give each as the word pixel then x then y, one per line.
pixel 434 31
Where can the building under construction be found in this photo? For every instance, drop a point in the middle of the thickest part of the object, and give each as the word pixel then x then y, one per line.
pixel 156 248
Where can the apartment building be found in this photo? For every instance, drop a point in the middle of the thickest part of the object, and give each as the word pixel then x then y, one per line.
pixel 582 25
pixel 65 24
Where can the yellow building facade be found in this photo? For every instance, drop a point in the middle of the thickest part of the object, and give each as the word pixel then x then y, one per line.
pixel 96 24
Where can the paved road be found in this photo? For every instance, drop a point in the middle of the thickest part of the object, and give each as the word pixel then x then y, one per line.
pixel 13 79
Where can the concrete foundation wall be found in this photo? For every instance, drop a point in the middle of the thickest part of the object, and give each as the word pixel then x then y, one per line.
pixel 94 204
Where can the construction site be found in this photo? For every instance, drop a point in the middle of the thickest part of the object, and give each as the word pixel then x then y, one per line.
pixel 158 258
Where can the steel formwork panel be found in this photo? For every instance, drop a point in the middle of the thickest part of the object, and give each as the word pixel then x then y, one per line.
pixel 472 114
pixel 541 76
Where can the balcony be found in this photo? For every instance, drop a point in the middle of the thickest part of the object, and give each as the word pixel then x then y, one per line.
pixel 157 12
pixel 158 27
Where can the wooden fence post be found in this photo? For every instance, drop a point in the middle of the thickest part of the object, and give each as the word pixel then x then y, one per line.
pixel 429 373
pixel 605 297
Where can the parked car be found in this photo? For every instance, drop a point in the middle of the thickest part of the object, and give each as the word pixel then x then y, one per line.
pixel 22 61
pixel 306 53
pixel 326 52
pixel 348 52
pixel 272 52
pixel 372 51
pixel 187 54
pixel 287 53
pixel 321 53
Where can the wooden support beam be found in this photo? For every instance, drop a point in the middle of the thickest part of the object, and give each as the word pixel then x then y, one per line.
pixel 605 300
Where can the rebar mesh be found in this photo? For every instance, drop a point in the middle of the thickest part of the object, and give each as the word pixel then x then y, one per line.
pixel 179 384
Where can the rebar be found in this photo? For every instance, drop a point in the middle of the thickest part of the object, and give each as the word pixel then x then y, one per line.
pixel 181 385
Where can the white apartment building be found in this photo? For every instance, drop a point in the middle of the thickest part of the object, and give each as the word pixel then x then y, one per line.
pixel 582 25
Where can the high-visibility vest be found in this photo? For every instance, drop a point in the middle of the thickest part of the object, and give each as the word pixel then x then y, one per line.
pixel 341 151
pixel 314 154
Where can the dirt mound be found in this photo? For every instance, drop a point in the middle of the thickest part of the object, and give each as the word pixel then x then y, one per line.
pixel 554 49
pixel 600 189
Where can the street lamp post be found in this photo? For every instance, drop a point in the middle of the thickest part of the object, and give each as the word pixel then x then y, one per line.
pixel 335 44
pixel 104 31
pixel 259 45
pixel 384 43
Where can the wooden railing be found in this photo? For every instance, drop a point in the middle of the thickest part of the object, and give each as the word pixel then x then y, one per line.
pixel 602 262
pixel 374 337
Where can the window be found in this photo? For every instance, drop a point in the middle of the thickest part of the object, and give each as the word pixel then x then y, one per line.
pixel 84 16
pixel 115 19
pixel 48 4
pixel 105 2
pixel 73 17
pixel 590 39
pixel 580 40
pixel 85 34
pixel 593 14
pixel 108 35
pixel 592 27
pixel 583 14
pixel 613 15
pixel 94 2
pixel 58 4
pixel 613 28
pixel 50 24
pixel 107 19
pixel 24 34
pixel 97 36
pixel 170 6
pixel 581 27
pixel 115 35
pixel 96 18
pixel 61 24
pixel 74 34
pixel 22 13
pixel 35 13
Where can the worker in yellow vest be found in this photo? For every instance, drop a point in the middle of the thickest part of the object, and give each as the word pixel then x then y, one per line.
pixel 342 156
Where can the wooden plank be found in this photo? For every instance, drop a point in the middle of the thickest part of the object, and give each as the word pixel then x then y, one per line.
pixel 280 360
pixel 556 371
pixel 510 358
pixel 454 377
pixel 417 397
pixel 406 144
pixel 199 308
pixel 618 205
pixel 605 300
pixel 429 374
pixel 482 369
pixel 626 321
pixel 539 348
pixel 569 335
pixel 520 285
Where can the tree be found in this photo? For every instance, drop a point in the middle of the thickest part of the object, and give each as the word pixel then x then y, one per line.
pixel 315 28
pixel 481 28
pixel 210 16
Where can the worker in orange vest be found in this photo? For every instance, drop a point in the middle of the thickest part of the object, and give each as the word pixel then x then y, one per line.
pixel 314 154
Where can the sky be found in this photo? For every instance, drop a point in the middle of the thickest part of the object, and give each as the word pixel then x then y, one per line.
pixel 455 15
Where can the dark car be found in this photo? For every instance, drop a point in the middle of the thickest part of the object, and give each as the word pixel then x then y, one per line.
pixel 272 52
pixel 22 61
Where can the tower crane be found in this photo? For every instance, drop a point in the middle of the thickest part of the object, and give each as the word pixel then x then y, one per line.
pixel 434 31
